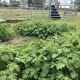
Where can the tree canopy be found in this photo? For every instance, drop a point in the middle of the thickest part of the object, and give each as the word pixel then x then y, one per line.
pixel 77 2
pixel 36 2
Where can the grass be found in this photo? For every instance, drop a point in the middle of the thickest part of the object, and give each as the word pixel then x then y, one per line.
pixel 72 21
pixel 22 13
pixel 18 13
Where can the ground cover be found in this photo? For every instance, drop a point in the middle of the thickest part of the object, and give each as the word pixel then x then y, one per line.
pixel 30 57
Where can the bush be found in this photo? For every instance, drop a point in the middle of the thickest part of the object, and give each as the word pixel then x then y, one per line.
pixel 7 65
pixel 15 3
pixel 6 56
pixel 53 59
pixel 41 29
pixel 5 33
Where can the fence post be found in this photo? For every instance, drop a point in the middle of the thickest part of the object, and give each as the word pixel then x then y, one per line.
pixel 10 8
pixel 50 8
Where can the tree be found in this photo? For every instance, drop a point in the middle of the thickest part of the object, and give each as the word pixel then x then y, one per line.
pixel 29 1
pixel 38 2
pixel 57 3
pixel 23 1
pixel 77 2
pixel 4 3
pixel 0 3
pixel 14 3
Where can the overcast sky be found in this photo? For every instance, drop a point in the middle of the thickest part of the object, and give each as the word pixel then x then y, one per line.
pixel 65 2
pixel 62 2
pixel 7 0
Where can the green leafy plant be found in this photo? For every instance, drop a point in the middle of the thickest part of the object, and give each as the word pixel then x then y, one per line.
pixel 6 56
pixel 41 29
pixel 52 59
pixel 5 33
pixel 46 60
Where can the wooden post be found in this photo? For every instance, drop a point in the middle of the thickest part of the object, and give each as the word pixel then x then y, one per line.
pixel 50 1
pixel 11 8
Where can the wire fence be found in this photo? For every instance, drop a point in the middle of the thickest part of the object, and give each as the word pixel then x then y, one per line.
pixel 28 11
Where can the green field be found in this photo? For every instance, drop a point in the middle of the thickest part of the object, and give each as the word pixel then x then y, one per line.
pixel 23 13
pixel 18 13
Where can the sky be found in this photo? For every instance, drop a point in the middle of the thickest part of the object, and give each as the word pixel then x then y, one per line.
pixel 62 2
pixel 65 2
pixel 6 0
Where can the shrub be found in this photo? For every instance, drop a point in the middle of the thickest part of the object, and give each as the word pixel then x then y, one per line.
pixel 15 3
pixel 53 59
pixel 41 29
pixel 5 33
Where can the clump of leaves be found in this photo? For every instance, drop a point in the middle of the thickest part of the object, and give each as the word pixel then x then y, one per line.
pixel 52 59
pixel 49 61
pixel 5 33
pixel 41 29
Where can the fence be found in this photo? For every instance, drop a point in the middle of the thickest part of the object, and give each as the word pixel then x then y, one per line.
pixel 28 11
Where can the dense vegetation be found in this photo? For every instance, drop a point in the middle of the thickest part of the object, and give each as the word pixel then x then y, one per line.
pixel 5 32
pixel 41 28
pixel 57 57
pixel 53 59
